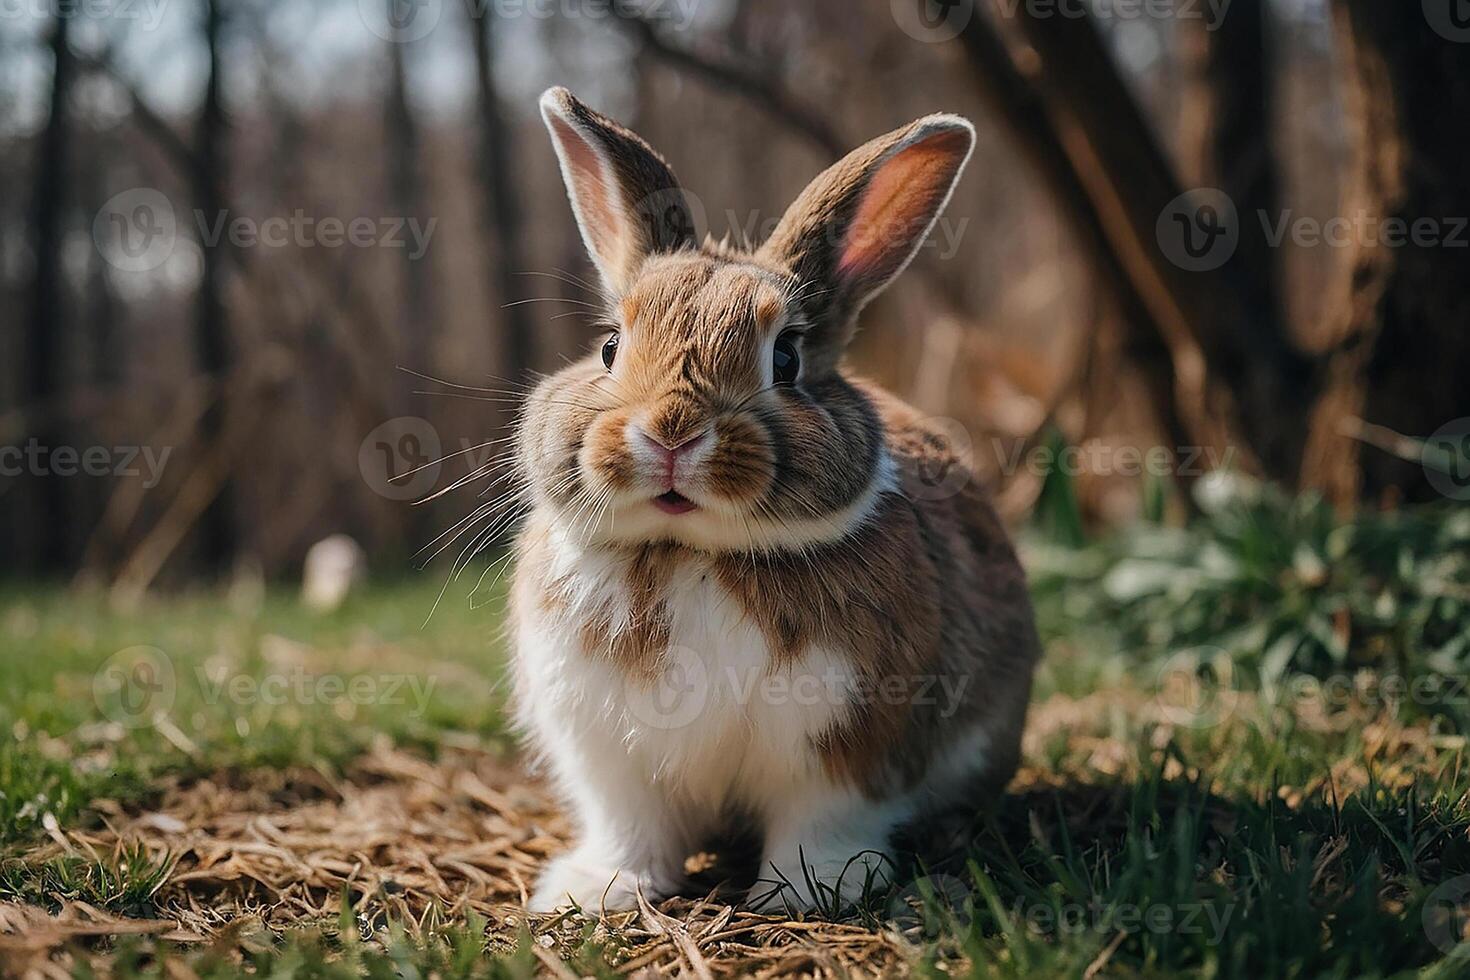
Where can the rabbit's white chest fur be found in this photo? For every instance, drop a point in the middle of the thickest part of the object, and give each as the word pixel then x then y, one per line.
pixel 712 722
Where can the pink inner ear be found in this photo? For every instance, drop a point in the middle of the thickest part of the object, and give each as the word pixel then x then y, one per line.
pixel 598 212
pixel 897 206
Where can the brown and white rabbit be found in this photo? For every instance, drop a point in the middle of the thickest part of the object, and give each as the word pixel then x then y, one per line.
pixel 735 592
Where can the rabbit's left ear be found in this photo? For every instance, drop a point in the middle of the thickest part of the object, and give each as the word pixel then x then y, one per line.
pixel 626 200
pixel 859 223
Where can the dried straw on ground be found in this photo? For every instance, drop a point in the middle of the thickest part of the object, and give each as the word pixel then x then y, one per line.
pixel 419 845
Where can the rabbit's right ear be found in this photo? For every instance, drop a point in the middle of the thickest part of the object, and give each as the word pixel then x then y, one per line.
pixel 862 220
pixel 627 201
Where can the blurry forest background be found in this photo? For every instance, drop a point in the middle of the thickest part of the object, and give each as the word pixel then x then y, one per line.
pixel 1052 308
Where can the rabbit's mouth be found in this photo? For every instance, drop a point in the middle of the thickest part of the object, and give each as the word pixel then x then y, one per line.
pixel 674 502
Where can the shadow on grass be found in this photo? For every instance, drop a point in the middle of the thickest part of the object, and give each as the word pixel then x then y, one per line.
pixel 1165 875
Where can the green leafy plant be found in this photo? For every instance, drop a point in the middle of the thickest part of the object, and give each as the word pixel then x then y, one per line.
pixel 1281 585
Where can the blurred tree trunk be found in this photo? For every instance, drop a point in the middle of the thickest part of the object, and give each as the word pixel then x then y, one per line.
pixel 1400 347
pixel 105 358
pixel 105 364
pixel 1228 146
pixel 43 381
pixel 417 328
pixel 501 206
pixel 1397 349
pixel 1239 151
pixel 405 180
pixel 1016 103
pixel 211 326
pixel 1128 183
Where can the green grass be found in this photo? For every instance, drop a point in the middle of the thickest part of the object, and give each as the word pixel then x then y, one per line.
pixel 124 884
pixel 1259 827
pixel 1217 879
pixel 255 683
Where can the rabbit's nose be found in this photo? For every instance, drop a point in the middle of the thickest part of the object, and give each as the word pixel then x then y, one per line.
pixel 672 461
pixel 671 453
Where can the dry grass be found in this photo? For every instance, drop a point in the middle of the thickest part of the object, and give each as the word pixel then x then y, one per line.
pixel 250 857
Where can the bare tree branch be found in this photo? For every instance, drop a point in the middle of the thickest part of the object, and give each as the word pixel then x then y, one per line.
pixel 750 83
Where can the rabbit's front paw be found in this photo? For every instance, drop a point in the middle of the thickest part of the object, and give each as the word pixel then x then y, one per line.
pixel 593 884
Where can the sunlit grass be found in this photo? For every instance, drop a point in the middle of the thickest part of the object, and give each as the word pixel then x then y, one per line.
pixel 263 682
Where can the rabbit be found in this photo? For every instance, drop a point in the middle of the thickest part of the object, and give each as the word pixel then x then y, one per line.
pixel 739 588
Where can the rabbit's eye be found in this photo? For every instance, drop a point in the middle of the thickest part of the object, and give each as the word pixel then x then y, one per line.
pixel 785 362
pixel 609 351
